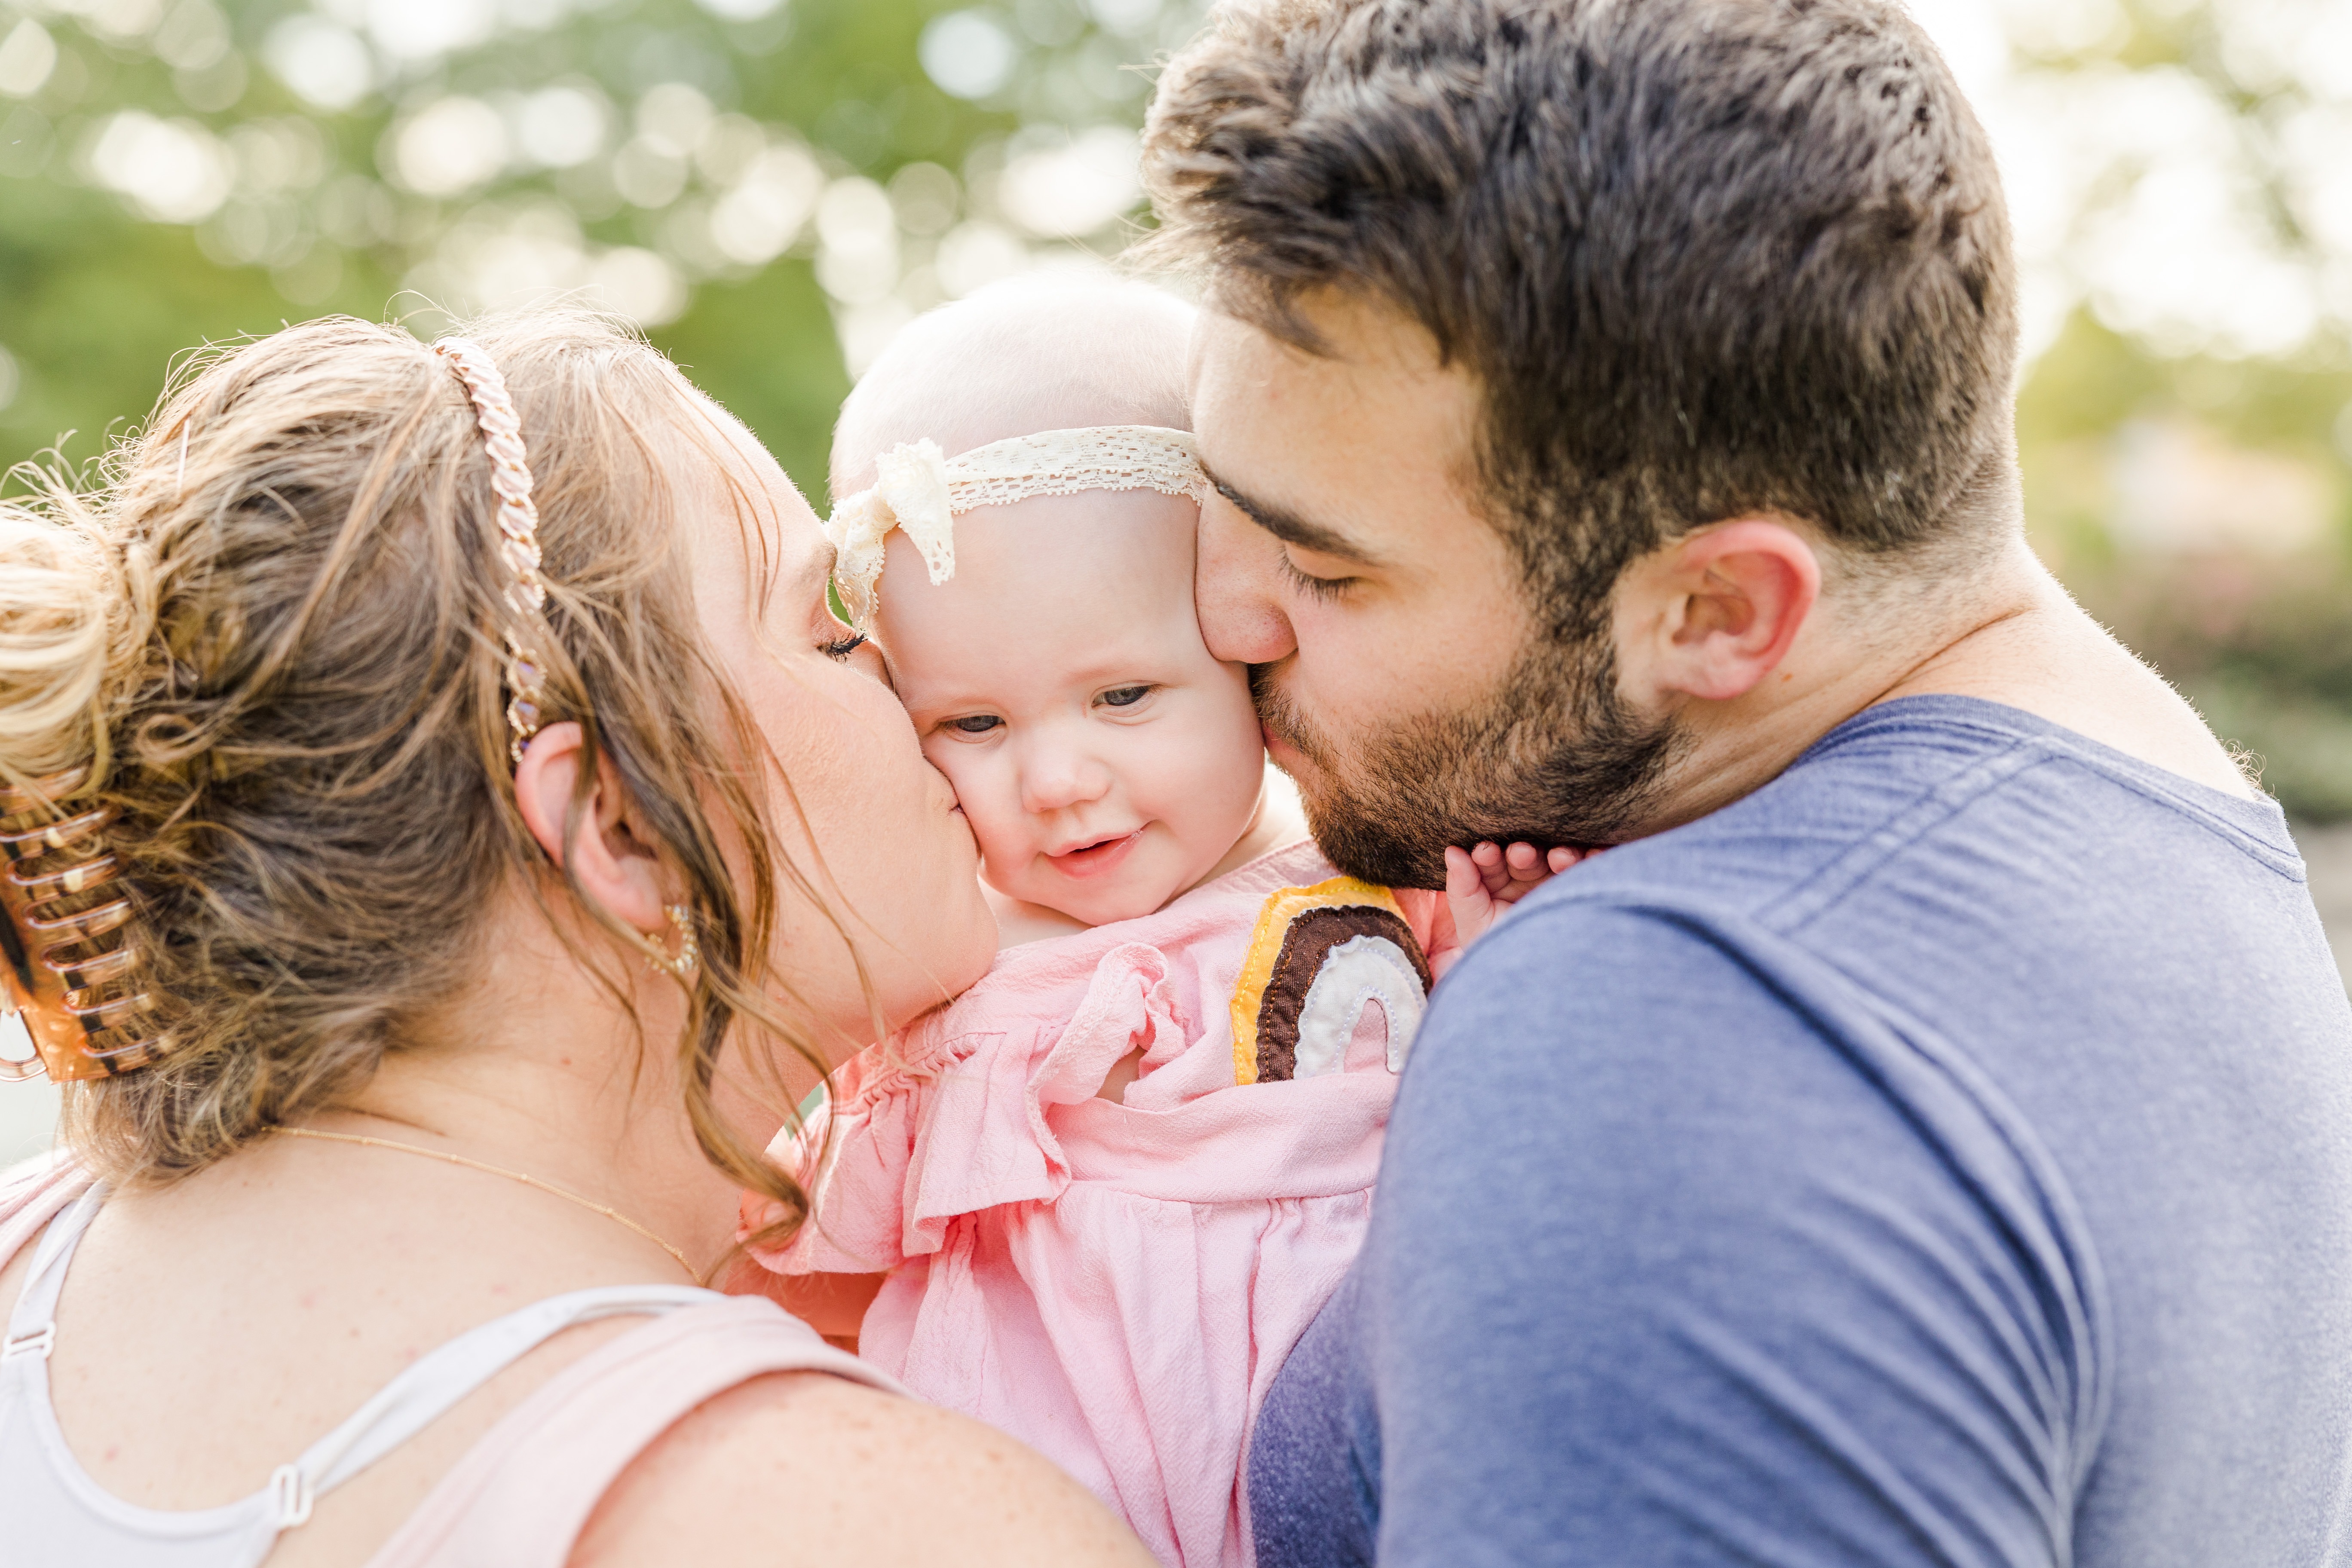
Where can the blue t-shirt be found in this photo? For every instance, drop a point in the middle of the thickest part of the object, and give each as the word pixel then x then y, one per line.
pixel 1943 1155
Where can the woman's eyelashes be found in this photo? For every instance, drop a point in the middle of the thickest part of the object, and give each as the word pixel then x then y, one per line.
pixel 856 651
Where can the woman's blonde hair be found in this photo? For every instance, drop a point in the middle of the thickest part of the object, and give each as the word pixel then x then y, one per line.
pixel 272 636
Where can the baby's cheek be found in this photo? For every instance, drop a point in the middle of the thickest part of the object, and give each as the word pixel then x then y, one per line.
pixel 1204 776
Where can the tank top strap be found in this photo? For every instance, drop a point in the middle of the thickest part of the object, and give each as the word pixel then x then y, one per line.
pixel 434 1382
pixel 33 1323
pixel 520 1496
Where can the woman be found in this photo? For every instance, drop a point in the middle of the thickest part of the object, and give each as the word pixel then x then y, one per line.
pixel 504 833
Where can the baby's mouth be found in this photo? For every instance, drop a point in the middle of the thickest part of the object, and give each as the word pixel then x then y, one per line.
pixel 1096 856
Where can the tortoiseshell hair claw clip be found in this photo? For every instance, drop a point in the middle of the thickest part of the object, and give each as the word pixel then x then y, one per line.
pixel 71 970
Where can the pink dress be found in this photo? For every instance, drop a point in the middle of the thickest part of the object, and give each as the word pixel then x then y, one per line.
pixel 1116 1283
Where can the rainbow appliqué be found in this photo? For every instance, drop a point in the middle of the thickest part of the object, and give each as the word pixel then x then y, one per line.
pixel 1317 958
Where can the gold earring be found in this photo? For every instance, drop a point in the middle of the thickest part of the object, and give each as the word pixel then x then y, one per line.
pixel 689 952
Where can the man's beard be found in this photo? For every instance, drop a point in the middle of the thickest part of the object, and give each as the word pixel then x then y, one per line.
pixel 1552 756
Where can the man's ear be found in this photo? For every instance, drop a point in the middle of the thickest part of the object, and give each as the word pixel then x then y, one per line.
pixel 1711 614
pixel 612 865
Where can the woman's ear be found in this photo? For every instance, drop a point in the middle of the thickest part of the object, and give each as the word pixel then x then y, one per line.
pixel 1711 614
pixel 612 865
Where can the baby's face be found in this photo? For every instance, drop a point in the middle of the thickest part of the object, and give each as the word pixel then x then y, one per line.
pixel 1104 761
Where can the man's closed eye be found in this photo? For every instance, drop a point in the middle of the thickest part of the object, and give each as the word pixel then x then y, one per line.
pixel 1324 589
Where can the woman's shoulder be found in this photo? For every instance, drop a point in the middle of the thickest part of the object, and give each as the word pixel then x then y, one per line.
pixel 31 1194
pixel 725 1431
pixel 807 1467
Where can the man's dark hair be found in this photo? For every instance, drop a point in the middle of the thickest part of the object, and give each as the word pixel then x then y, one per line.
pixel 1703 257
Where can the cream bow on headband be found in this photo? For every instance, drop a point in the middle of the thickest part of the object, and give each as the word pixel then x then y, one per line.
pixel 919 492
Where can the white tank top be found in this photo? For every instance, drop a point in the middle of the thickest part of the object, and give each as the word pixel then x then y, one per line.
pixel 52 1514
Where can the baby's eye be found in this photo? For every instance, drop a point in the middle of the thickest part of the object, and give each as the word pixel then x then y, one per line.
pixel 1125 696
pixel 974 724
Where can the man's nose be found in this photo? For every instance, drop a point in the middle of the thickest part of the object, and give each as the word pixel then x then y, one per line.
pixel 1237 587
pixel 1056 775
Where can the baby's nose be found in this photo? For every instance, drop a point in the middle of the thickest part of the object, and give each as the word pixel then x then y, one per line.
pixel 1055 779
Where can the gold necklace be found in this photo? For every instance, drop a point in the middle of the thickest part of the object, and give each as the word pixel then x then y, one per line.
pixel 471 1164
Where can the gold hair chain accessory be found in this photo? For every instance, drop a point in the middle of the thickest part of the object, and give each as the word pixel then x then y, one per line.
pixel 472 1164
pixel 518 521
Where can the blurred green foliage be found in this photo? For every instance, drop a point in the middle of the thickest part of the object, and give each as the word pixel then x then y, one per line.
pixel 115 256
pixel 95 302
pixel 2129 445
pixel 2260 640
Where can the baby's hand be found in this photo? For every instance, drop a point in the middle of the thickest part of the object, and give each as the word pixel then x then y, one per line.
pixel 1481 883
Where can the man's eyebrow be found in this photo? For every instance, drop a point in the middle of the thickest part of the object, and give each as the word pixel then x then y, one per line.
pixel 1293 530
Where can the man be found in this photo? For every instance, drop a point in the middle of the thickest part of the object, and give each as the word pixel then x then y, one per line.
pixel 1928 1137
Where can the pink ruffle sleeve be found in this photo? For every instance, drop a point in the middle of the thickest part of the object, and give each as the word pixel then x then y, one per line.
pixel 887 1168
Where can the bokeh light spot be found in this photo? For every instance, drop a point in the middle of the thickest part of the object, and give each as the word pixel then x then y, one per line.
pixel 968 53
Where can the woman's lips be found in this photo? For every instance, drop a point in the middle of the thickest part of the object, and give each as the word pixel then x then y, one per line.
pixel 1094 859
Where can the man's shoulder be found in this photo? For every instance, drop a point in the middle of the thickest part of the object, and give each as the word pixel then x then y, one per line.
pixel 1749 855
pixel 1613 1004
pixel 1942 819
pixel 1943 895
pixel 1964 1074
pixel 1983 884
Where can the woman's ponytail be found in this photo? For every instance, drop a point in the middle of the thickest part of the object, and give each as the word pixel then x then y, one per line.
pixel 60 615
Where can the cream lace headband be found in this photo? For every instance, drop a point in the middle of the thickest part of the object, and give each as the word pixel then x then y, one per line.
pixel 919 492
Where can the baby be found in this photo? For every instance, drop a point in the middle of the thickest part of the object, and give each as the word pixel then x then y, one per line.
pixel 1114 1182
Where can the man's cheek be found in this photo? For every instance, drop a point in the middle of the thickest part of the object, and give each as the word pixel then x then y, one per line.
pixel 1338 693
